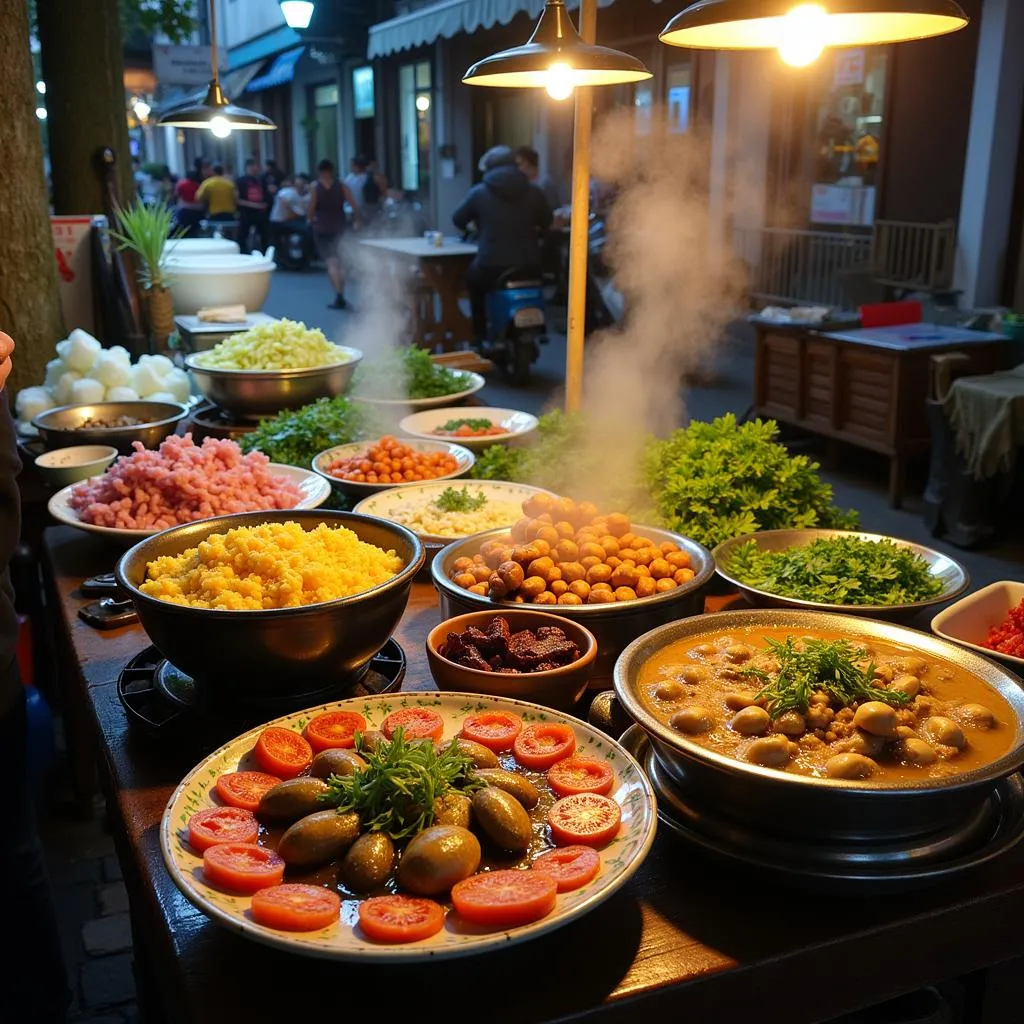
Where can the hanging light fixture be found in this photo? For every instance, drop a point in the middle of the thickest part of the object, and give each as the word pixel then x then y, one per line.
pixel 800 31
pixel 216 112
pixel 297 13
pixel 557 59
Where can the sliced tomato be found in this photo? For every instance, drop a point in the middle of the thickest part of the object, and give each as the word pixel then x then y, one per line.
pixel 245 789
pixel 296 908
pixel 581 775
pixel 571 867
pixel 496 730
pixel 415 723
pixel 400 918
pixel 540 745
pixel 222 825
pixel 242 867
pixel 283 752
pixel 505 899
pixel 587 818
pixel 334 729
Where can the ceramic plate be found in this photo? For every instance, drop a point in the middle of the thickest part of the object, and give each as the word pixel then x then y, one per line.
pixel 344 941
pixel 474 382
pixel 516 425
pixel 967 621
pixel 315 491
pixel 383 503
pixel 463 457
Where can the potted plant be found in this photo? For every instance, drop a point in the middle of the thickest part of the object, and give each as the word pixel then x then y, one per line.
pixel 145 231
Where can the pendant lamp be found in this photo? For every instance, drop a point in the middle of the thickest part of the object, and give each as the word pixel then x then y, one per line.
pixel 556 58
pixel 216 112
pixel 800 31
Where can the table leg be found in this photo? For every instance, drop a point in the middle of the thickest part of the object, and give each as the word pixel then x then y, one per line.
pixel 447 276
pixel 897 480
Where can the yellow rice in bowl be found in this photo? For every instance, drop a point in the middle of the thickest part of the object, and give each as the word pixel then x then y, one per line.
pixel 275 565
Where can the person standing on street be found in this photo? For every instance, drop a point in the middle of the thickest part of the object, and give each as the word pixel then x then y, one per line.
pixel 253 207
pixel 364 184
pixel 217 193
pixel 289 214
pixel 327 219
pixel 33 980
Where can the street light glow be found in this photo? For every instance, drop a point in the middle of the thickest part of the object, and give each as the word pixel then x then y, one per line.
pixel 142 109
pixel 423 103
pixel 559 83
pixel 41 113
pixel 220 127
pixel 297 13
pixel 41 88
pixel 804 34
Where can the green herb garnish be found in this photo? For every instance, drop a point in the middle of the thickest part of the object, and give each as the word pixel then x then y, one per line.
pixel 408 373
pixel 838 570
pixel 834 666
pixel 293 438
pixel 395 792
pixel 452 425
pixel 452 500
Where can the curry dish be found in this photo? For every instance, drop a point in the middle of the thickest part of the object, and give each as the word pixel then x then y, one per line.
pixel 823 706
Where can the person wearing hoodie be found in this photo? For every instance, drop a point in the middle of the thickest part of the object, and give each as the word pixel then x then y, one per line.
pixel 510 214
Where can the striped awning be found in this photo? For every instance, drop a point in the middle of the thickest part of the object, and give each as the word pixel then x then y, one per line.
pixel 280 72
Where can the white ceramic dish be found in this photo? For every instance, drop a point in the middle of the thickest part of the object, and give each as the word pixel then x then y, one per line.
pixel 967 621
pixel 474 382
pixel 315 491
pixel 199 248
pixel 516 425
pixel 226 280
pixel 383 503
pixel 63 466
pixel 344 941
pixel 463 456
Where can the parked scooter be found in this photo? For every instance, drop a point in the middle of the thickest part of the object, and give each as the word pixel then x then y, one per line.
pixel 516 325
pixel 605 304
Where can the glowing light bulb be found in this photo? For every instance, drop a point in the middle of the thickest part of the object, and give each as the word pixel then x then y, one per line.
pixel 41 88
pixel 142 109
pixel 41 113
pixel 423 103
pixel 559 82
pixel 220 127
pixel 804 34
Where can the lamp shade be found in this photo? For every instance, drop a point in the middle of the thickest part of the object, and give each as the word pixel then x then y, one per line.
pixel 767 24
pixel 216 112
pixel 556 50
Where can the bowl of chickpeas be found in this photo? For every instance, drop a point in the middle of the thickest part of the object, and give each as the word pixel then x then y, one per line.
pixel 617 578
pixel 363 468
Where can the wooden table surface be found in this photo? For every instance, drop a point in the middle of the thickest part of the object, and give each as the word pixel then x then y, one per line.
pixel 687 939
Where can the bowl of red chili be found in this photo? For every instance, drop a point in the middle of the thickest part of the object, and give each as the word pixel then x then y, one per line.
pixel 989 621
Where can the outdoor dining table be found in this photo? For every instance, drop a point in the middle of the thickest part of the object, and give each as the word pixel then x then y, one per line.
pixel 689 938
pixel 442 269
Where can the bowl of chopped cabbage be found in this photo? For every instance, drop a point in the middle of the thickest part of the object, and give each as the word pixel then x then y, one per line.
pixel 272 367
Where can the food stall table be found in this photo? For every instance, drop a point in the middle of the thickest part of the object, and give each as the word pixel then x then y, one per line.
pixel 689 938
pixel 443 269
pixel 866 386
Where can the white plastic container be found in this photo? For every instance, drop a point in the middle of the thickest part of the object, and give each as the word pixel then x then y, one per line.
pixel 190 248
pixel 226 280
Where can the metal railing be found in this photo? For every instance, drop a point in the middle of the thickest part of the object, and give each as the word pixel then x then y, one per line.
pixel 800 267
pixel 914 256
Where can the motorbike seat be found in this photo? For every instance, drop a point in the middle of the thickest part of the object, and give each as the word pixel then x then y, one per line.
pixel 515 278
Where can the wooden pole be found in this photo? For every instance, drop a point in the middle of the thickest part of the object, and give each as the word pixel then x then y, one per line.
pixel 579 227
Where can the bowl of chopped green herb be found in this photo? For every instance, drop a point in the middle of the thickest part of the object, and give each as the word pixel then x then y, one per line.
pixel 409 379
pixel 839 570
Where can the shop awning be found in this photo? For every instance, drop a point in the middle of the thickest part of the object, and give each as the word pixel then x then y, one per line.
pixel 281 71
pixel 447 19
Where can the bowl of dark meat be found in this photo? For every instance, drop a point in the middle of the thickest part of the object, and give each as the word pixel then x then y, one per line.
pixel 117 424
pixel 517 653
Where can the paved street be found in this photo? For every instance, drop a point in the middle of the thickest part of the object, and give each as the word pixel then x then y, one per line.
pixel 86 877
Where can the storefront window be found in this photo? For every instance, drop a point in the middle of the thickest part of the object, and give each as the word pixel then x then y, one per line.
pixel 849 138
pixel 678 87
pixel 324 124
pixel 416 120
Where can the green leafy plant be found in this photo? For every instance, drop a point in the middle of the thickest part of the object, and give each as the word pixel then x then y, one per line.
pixel 294 438
pixel 714 481
pixel 459 500
pixel 408 372
pixel 834 666
pixel 145 231
pixel 395 792
pixel 838 570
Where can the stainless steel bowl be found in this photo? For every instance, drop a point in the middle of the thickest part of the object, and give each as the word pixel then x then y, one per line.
pixel 953 575
pixel 265 655
pixel 59 428
pixel 788 804
pixel 252 394
pixel 614 625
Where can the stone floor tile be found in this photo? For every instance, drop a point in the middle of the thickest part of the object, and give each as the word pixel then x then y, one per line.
pixel 105 935
pixel 107 981
pixel 113 898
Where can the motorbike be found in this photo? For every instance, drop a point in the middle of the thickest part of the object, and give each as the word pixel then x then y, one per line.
pixel 516 325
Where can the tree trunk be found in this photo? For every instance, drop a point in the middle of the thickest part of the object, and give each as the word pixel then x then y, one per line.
pixel 29 300
pixel 83 68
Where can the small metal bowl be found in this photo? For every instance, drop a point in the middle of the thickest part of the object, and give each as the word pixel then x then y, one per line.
pixel 252 394
pixel 59 428
pixel 463 456
pixel 953 575
pixel 615 625
pixel 817 809
pixel 249 656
